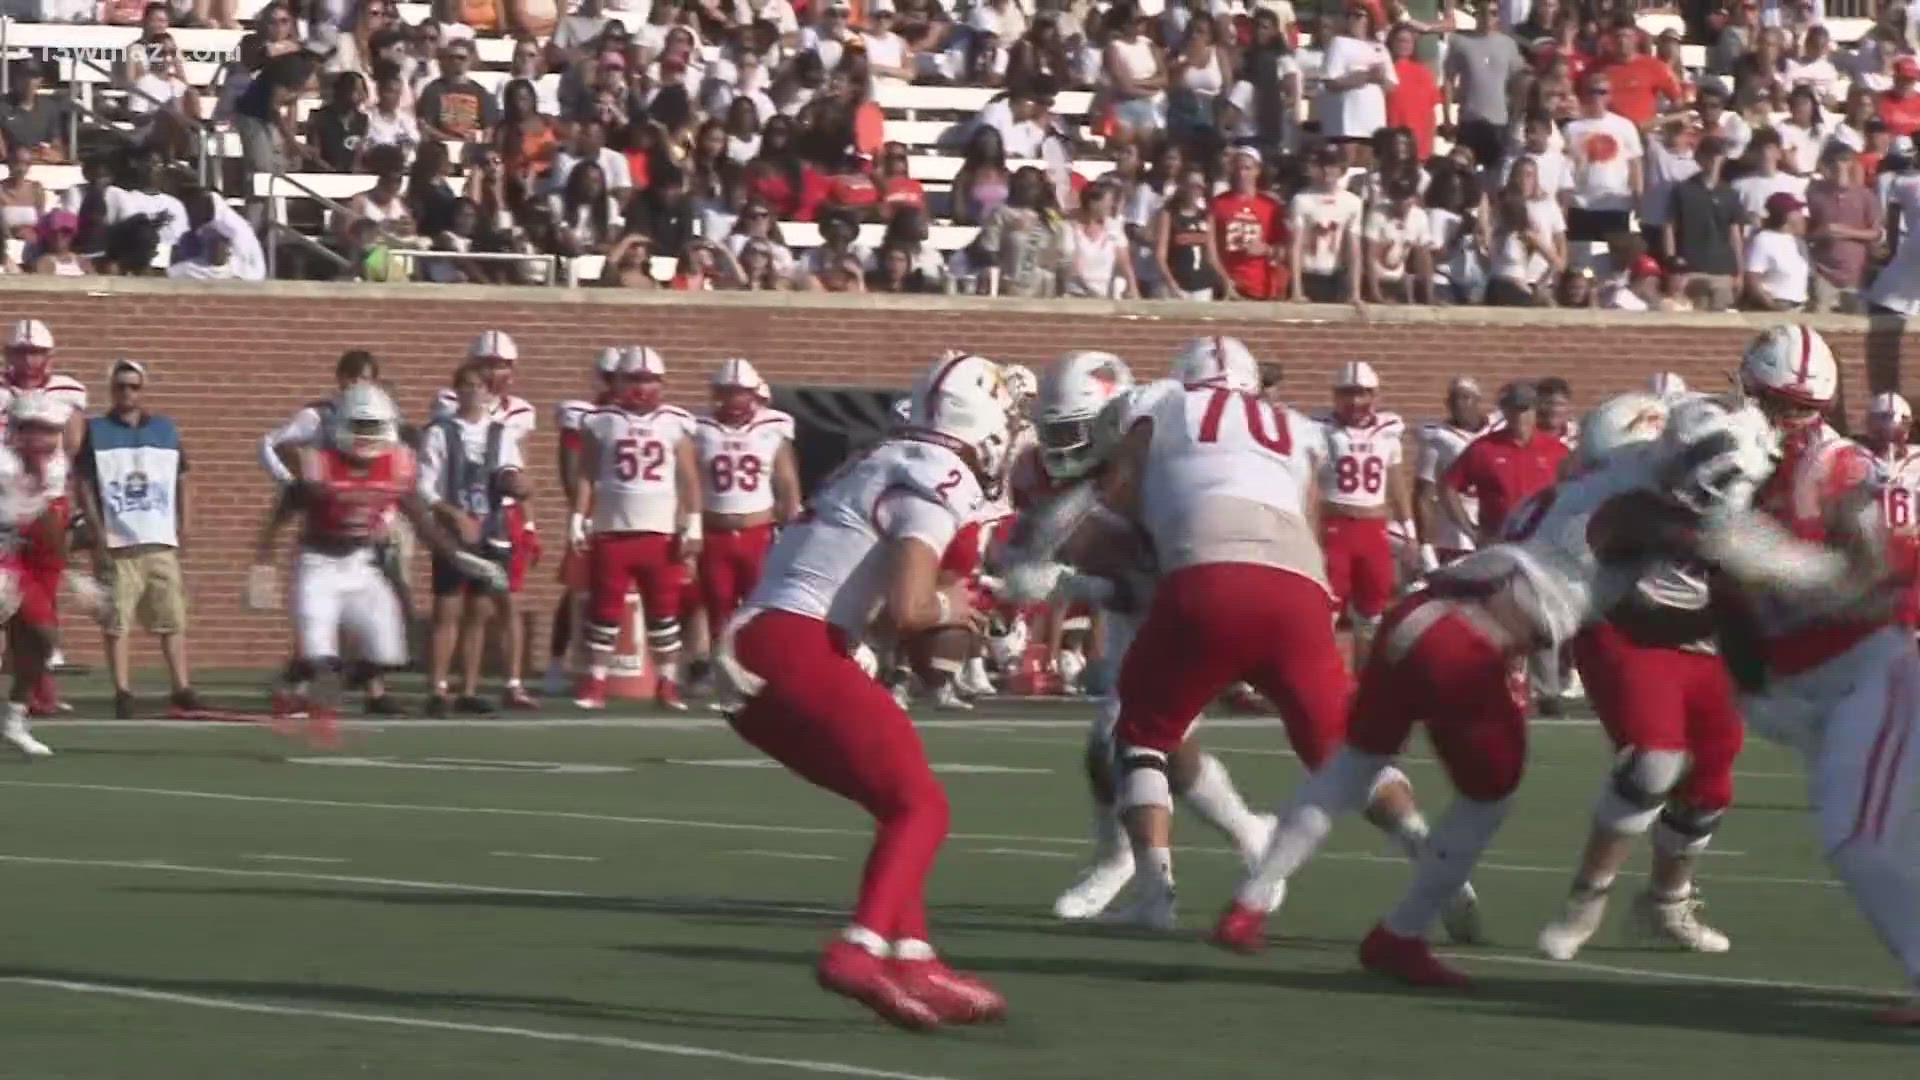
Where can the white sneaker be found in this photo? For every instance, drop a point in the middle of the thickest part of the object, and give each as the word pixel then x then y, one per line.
pixel 725 701
pixel 1576 924
pixel 1147 905
pixel 1572 689
pixel 1676 923
pixel 949 698
pixel 973 679
pixel 15 732
pixel 1088 897
pixel 1461 919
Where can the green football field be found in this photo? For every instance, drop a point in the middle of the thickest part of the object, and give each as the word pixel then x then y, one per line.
pixel 631 897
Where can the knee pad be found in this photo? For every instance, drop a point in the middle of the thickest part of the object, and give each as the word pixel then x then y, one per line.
pixel 1642 778
pixel 1685 830
pixel 663 635
pixel 1143 778
pixel 601 637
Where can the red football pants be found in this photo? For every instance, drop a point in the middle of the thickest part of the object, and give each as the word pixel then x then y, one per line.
pixel 822 717
pixel 643 561
pixel 1219 623
pixel 1666 699
pixel 1360 566
pixel 730 562
pixel 1432 665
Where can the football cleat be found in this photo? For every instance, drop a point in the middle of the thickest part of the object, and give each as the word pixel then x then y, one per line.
pixel 1461 919
pixel 591 693
pixel 1410 960
pixel 954 997
pixel 17 735
pixel 1089 896
pixel 517 699
pixel 1241 928
pixel 666 694
pixel 851 971
pixel 1676 923
pixel 1147 905
pixel 1905 1014
pixel 948 698
pixel 1576 924
pixel 323 728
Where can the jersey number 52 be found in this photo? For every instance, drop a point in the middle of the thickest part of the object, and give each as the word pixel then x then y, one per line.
pixel 633 459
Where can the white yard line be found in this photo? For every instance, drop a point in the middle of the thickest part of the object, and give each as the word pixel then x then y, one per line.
pixel 611 1042
pixel 1030 853
pixel 163 866
pixel 798 856
pixel 758 827
pixel 1667 976
pixel 546 856
pixel 271 856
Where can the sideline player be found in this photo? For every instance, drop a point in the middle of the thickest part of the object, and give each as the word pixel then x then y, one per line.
pixel 868 552
pixel 33 509
pixel 1076 435
pixel 1667 702
pixel 30 353
pixel 639 489
pixel 1889 431
pixel 311 426
pixel 345 491
pixel 1220 480
pixel 1363 486
pixel 1443 655
pixel 497 355
pixel 1836 677
pixel 1443 538
pixel 564 637
pixel 751 484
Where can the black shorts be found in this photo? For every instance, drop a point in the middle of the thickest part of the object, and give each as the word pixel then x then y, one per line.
pixel 449 581
pixel 1598 226
pixel 1326 288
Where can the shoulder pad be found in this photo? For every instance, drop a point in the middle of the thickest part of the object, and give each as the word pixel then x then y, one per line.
pixel 938 475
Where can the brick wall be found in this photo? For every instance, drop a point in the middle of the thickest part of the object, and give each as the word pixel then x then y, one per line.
pixel 231 361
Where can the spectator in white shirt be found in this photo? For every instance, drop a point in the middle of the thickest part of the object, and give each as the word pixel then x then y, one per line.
pixel 827 40
pixel 1520 260
pixel 1670 160
pixel 1717 119
pixel 138 194
pixel 1777 264
pixel 1606 153
pixel 1813 67
pixel 391 121
pixel 590 144
pixel 1538 136
pixel 1544 216
pixel 1135 76
pixel 1325 221
pixel 1766 180
pixel 1802 133
pixel 889 58
pixel 1355 76
pixel 1399 255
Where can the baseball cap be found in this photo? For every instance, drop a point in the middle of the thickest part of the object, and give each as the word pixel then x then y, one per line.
pixel 1518 395
pixel 126 363
pixel 1645 266
pixel 1906 67
pixel 493 345
pixel 1247 152
pixel 30 334
pixel 1782 202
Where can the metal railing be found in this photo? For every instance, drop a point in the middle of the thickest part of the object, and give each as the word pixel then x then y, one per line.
pixel 275 226
pixel 410 257
pixel 203 130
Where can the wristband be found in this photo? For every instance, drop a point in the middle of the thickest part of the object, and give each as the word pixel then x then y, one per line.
pixel 690 526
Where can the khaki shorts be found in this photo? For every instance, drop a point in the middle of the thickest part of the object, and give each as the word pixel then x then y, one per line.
pixel 148 583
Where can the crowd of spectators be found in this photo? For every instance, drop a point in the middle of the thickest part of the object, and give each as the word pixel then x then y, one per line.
pixel 1528 152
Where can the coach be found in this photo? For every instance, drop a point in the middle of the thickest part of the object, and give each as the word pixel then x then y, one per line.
pixel 1503 468
pixel 132 474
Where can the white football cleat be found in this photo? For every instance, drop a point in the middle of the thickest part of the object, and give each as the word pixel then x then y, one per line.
pixel 1253 845
pixel 973 679
pixel 1088 897
pixel 947 697
pixel 1461 919
pixel 1148 905
pixel 902 692
pixel 1676 923
pixel 1576 924
pixel 16 734
pixel 1573 689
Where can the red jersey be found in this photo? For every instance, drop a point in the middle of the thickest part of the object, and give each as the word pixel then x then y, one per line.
pixel 1241 223
pixel 348 501
pixel 1900 114
pixel 1502 472
pixel 1638 84
pixel 1813 476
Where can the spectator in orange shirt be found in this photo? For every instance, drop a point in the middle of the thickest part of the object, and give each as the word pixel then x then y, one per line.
pixel 1411 103
pixel 1900 107
pixel 1639 81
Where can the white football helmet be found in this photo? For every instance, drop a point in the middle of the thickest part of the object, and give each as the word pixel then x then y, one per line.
pixel 1889 418
pixel 1717 452
pixel 642 360
pixel 365 422
pixel 964 398
pixel 1667 386
pixel 1217 361
pixel 1356 375
pixel 606 362
pixel 1021 383
pixel 1791 364
pixel 494 345
pixel 1619 421
pixel 738 371
pixel 1072 393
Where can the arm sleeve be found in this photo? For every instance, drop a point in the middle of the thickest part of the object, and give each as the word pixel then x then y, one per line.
pixel 299 431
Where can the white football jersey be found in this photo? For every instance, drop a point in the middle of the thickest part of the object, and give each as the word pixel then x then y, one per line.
pixel 1438 445
pixel 62 390
pixel 1900 499
pixel 1359 458
pixel 736 463
pixel 1227 477
pixel 569 415
pixel 634 482
pixel 512 411
pixel 832 564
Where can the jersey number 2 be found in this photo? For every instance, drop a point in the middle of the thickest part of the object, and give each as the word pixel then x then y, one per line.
pixel 1257 411
pixel 635 459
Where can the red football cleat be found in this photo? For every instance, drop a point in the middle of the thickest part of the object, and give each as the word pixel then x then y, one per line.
pixel 323 729
pixel 667 694
pixel 286 707
pixel 591 692
pixel 1410 960
pixel 1905 1014
pixel 1241 929
pixel 851 971
pixel 954 997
